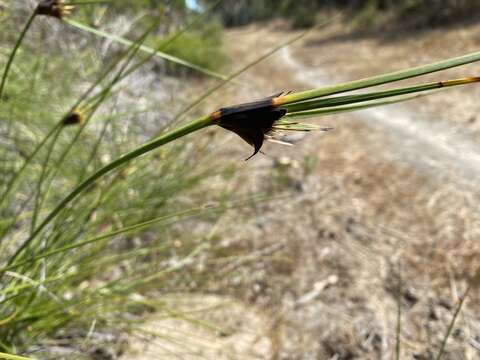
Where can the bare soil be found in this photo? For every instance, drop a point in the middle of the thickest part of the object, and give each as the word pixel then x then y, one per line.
pixel 368 222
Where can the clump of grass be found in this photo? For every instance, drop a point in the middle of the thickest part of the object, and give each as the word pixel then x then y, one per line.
pixel 54 8
pixel 43 296
pixel 57 269
pixel 242 118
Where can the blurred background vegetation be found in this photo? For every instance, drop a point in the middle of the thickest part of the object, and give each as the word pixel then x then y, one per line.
pixel 81 298
pixel 58 291
pixel 363 12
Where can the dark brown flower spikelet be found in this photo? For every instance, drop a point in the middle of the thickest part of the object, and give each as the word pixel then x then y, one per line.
pixel 74 118
pixel 251 121
pixel 54 8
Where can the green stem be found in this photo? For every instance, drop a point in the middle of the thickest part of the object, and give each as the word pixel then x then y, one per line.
pixel 44 171
pixel 132 51
pixel 146 49
pixel 443 346
pixel 13 357
pixel 164 46
pixel 234 75
pixel 349 108
pixel 105 236
pixel 352 99
pixel 16 177
pixel 12 55
pixel 156 143
pixel 382 79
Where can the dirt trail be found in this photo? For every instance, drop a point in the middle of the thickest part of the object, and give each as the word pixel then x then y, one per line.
pixel 389 187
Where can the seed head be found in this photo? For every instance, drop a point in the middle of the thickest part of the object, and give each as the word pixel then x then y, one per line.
pixel 54 8
pixel 251 121
pixel 258 121
pixel 74 118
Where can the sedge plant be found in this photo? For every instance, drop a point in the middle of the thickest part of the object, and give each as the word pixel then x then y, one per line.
pixel 59 9
pixel 42 257
pixel 43 296
pixel 260 120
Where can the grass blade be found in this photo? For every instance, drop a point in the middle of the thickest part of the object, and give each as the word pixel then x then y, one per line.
pixel 443 346
pixel 129 55
pixel 14 52
pixel 162 140
pixel 234 75
pixel 13 357
pixel 108 235
pixel 147 49
pixel 349 108
pixel 351 99
pixel 382 79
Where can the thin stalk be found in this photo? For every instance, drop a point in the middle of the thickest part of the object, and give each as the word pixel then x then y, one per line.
pixel 131 54
pixel 232 76
pixel 351 99
pixel 10 222
pixel 13 181
pixel 147 49
pixel 121 74
pixel 11 185
pixel 381 79
pixel 13 357
pixel 14 52
pixel 69 147
pixel 349 108
pixel 152 145
pixel 101 78
pixel 105 236
pixel 452 322
pixel 95 149
pixel 399 314
pixel 162 47
pixel 78 229
pixel 38 195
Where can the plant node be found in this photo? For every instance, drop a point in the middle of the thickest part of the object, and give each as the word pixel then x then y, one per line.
pixel 74 118
pixel 54 8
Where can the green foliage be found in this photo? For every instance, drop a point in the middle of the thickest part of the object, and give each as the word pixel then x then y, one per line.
pixel 201 46
pixel 367 15
pixel 143 5
pixel 413 12
pixel 94 256
pixel 82 270
pixel 363 12
pixel 302 18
